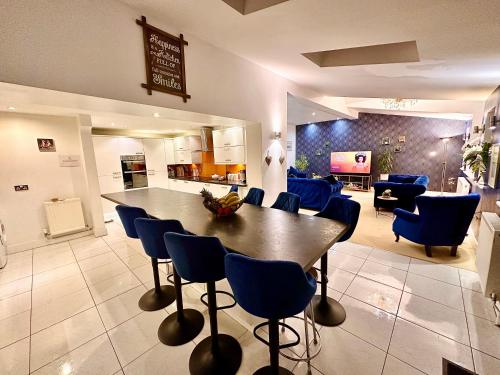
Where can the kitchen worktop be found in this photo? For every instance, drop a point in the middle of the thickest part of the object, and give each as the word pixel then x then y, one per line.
pixel 209 180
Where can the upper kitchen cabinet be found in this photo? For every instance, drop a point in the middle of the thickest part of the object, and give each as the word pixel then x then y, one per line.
pixel 107 155
pixel 131 146
pixel 187 143
pixel 229 137
pixel 169 150
pixel 229 155
pixel 154 151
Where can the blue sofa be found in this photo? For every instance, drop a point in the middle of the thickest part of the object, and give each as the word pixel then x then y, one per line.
pixel 441 221
pixel 403 186
pixel 314 193
pixel 295 172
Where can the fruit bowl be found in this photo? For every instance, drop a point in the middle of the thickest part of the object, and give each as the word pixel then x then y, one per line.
pixel 225 206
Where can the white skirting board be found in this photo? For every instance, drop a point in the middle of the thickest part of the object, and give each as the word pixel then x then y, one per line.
pixel 65 216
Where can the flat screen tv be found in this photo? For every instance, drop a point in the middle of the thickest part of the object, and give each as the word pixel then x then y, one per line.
pixel 351 162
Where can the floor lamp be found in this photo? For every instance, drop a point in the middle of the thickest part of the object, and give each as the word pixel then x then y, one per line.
pixel 445 157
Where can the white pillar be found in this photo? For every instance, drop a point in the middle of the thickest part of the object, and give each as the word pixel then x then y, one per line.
pixel 88 161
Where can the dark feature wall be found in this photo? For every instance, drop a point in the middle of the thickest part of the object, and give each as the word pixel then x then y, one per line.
pixel 422 152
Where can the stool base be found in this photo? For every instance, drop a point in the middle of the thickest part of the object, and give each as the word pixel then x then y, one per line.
pixel 174 331
pixel 227 362
pixel 268 370
pixel 328 313
pixel 152 301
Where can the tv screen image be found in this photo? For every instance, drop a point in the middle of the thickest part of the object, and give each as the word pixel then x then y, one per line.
pixel 351 162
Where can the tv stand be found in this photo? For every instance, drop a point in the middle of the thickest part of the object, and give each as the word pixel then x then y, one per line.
pixel 358 182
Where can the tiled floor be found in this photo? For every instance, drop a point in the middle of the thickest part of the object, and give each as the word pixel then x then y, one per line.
pixel 72 308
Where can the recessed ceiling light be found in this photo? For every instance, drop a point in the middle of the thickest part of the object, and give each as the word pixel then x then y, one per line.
pixel 156 114
pixel 314 113
pixel 112 124
pixel 11 108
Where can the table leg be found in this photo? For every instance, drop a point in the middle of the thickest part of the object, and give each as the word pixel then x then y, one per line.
pixel 327 311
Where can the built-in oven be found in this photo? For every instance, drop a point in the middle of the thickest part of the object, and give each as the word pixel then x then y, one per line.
pixel 134 171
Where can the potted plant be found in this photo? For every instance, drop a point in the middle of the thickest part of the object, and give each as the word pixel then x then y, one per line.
pixel 385 160
pixel 302 163
pixel 476 158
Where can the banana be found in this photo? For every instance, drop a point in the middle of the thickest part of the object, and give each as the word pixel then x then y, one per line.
pixel 232 201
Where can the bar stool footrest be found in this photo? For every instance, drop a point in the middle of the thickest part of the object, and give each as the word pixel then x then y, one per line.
pixel 170 279
pixel 282 346
pixel 205 295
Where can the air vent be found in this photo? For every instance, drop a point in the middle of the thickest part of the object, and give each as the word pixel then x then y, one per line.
pixel 250 6
pixel 402 52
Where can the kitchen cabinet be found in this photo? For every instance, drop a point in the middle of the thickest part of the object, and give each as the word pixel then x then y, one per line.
pixel 229 155
pixel 154 151
pixel 229 137
pixel 182 157
pixel 187 143
pixel 169 151
pixel 107 155
pixel 131 146
pixel 158 179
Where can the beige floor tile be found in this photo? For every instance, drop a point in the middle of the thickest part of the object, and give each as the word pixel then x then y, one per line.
pixel 394 366
pixel 339 279
pixel 226 324
pixel 470 280
pixel 60 309
pixel 435 271
pixel 95 357
pixel 344 353
pixel 137 260
pixel 109 288
pixel 121 308
pixel 379 295
pixel 50 259
pixel 389 259
pixel 14 328
pixel 484 335
pixel 14 359
pixel 98 260
pixel 345 262
pixel 84 253
pixel 351 248
pixel 425 349
pixel 63 337
pixel 485 364
pixel 437 291
pixel 15 305
pixel 15 287
pixel 478 305
pixel 143 328
pixel 439 318
pixel 15 271
pixel 51 291
pixel 55 275
pixel 161 357
pixel 383 274
pixel 368 322
pixel 104 272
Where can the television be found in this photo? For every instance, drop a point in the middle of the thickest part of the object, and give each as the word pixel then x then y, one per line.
pixel 351 162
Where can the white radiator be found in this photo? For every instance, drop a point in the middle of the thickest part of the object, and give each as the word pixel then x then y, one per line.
pixel 65 217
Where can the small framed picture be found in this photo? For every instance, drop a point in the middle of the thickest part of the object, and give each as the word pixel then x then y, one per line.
pixel 386 141
pixel 46 145
pixel 402 139
pixel 398 148
pixel 289 146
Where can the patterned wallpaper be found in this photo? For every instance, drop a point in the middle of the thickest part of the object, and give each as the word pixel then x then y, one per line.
pixel 422 153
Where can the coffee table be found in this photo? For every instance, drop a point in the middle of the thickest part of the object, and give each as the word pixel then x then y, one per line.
pixel 392 203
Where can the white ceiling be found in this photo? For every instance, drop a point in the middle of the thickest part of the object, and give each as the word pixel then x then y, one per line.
pixel 301 111
pixel 458 42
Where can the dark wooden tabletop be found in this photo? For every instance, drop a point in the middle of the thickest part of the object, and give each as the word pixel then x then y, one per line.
pixel 258 232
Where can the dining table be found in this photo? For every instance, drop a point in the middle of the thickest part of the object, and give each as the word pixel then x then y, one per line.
pixel 257 232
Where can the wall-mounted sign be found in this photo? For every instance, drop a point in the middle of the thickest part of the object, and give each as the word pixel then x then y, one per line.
pixel 69 160
pixel 164 55
pixel 46 145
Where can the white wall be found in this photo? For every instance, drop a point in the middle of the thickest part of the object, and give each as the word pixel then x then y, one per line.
pixel 22 163
pixel 95 48
pixel 291 137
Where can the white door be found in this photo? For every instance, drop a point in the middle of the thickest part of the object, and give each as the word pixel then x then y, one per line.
pixel 107 155
pixel 131 146
pixel 154 151
pixel 158 179
pixel 169 151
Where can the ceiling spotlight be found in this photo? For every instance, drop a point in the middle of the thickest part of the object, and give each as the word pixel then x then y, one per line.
pixel 156 114
pixel 11 108
pixel 314 113
pixel 112 124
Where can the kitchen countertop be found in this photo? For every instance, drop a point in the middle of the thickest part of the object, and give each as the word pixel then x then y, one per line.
pixel 208 180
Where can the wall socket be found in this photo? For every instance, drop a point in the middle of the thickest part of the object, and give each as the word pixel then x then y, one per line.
pixel 21 187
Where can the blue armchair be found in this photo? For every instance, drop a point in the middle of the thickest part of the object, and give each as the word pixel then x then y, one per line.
pixel 442 221
pixel 403 186
pixel 314 193
pixel 292 171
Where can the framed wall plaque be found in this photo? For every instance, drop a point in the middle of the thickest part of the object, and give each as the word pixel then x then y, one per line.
pixel 164 54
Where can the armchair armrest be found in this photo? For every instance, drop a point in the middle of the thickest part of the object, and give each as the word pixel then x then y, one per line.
pixel 406 215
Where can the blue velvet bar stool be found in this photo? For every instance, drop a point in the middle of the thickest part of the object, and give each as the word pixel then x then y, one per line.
pixel 328 311
pixel 287 202
pixel 255 196
pixel 150 232
pixel 127 216
pixel 234 189
pixel 273 290
pixel 201 259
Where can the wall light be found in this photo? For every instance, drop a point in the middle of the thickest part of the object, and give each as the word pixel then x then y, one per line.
pixel 11 108
pixel 156 114
pixel 432 154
